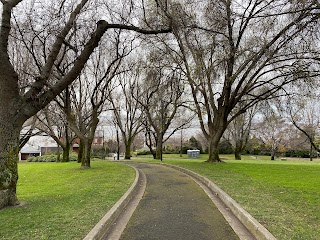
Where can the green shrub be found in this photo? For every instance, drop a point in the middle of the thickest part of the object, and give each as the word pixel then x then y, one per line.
pixel 31 159
pixel 99 152
pixel 299 153
pixel 143 152
pixel 52 158
pixel 73 157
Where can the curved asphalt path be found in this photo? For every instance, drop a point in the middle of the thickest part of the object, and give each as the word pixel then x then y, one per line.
pixel 175 207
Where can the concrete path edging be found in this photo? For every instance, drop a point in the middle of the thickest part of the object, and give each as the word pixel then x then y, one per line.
pixel 101 228
pixel 255 228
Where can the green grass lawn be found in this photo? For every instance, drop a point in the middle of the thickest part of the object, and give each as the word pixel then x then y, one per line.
pixel 63 202
pixel 283 195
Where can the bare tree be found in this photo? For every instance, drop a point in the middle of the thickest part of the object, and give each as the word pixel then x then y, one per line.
pixel 304 114
pixel 238 132
pixel 235 52
pixel 88 99
pixel 53 122
pixel 162 101
pixel 17 106
pixel 127 110
pixel 272 130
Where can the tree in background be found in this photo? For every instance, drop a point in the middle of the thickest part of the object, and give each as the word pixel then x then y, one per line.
pixel 238 132
pixel 162 101
pixel 272 130
pixel 53 122
pixel 127 110
pixel 304 114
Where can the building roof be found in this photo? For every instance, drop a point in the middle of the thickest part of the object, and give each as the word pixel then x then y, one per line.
pixel 30 149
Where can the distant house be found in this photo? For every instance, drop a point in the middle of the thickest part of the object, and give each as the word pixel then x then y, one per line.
pixel 50 149
pixel 29 151
pixel 47 145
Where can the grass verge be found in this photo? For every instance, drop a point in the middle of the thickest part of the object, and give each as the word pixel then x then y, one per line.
pixel 284 196
pixel 63 202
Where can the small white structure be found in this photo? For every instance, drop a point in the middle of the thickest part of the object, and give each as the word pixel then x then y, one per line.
pixel 29 151
pixel 193 153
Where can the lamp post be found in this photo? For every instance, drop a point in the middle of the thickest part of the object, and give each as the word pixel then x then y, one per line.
pixel 118 143
pixel 118 119
pixel 181 142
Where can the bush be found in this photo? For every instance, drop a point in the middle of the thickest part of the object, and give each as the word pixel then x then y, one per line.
pixel 299 153
pixel 143 152
pixel 225 147
pixel 99 153
pixel 44 158
pixel 73 157
pixel 52 158
pixel 31 159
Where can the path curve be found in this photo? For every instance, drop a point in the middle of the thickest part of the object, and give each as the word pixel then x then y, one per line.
pixel 174 207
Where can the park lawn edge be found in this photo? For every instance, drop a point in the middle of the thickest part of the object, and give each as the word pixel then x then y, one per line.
pixel 63 204
pixel 284 196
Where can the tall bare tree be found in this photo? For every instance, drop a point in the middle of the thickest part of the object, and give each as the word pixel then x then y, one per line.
pixel 89 94
pixel 17 106
pixel 241 51
pixel 162 100
pixel 127 110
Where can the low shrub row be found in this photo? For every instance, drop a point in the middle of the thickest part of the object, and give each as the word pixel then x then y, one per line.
pixel 52 158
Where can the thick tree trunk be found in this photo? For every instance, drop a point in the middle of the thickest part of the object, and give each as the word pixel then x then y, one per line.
pixel 214 149
pixel 127 154
pixel 9 148
pixel 238 151
pixel 10 127
pixel 66 153
pixel 237 154
pixel 86 154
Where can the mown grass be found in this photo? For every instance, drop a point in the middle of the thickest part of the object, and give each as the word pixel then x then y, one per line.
pixel 283 195
pixel 63 202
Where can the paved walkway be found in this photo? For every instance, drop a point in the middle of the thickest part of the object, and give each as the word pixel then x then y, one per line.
pixel 174 207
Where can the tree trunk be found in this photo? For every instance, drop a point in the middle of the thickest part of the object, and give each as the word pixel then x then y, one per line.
pixel 85 162
pixel 9 149
pixel 128 150
pixel 80 153
pixel 159 147
pixel 149 144
pixel 66 153
pixel 214 150
pixel 67 146
pixel 273 154
pixel 238 151
pixel 58 154
pixel 10 127
pixel 237 154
